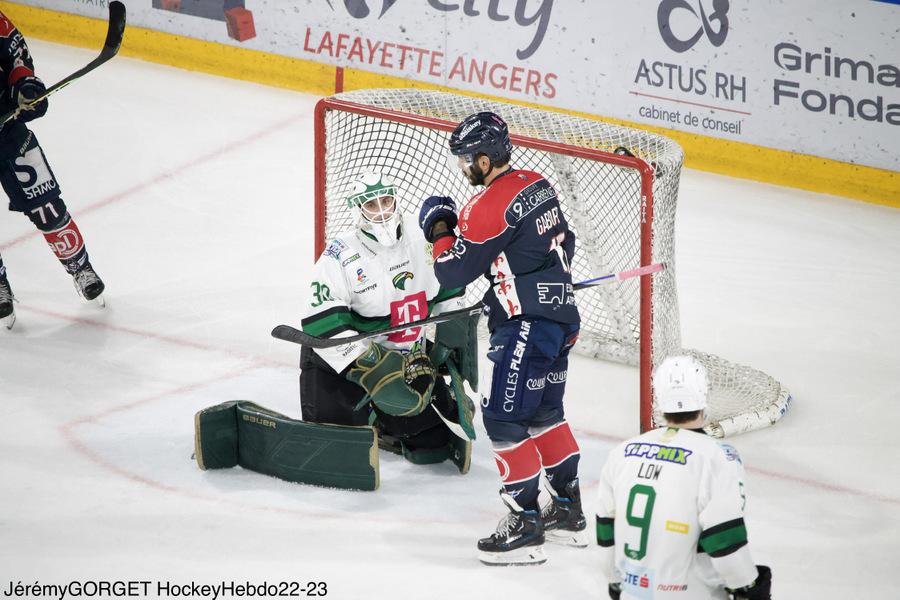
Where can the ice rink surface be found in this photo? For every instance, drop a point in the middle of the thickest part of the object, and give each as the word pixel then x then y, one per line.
pixel 194 194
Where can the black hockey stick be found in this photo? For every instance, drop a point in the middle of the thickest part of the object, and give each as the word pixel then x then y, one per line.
pixel 294 335
pixel 110 48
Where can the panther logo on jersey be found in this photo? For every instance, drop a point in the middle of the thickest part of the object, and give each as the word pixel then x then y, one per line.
pixel 399 279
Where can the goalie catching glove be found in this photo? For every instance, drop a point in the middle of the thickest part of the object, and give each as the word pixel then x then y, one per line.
pixel 398 384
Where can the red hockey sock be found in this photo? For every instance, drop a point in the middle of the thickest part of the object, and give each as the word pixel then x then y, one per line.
pixel 520 468
pixel 555 444
pixel 559 455
pixel 67 244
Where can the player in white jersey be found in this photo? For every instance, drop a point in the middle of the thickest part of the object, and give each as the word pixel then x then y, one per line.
pixel 671 513
pixel 375 275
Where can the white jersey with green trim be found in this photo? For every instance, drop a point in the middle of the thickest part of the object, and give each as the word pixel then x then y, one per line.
pixel 360 285
pixel 670 521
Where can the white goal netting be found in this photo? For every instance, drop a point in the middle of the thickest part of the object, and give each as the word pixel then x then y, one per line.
pixel 404 133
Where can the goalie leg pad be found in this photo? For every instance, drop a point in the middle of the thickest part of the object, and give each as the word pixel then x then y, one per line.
pixel 216 436
pixel 271 443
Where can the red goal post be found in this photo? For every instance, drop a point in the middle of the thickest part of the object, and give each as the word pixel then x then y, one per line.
pixel 621 208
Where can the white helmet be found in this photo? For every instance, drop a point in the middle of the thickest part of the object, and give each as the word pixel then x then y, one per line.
pixel 680 384
pixel 373 198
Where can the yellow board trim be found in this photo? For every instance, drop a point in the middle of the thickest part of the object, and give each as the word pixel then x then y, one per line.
pixel 726 157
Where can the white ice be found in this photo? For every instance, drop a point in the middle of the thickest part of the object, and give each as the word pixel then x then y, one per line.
pixel 194 194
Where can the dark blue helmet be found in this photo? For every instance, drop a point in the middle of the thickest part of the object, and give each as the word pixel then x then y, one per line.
pixel 482 133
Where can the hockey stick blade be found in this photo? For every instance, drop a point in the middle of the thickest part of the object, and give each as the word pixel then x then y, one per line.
pixel 455 428
pixel 114 35
pixel 296 336
pixel 621 275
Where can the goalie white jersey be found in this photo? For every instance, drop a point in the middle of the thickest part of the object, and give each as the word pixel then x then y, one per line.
pixel 359 285
pixel 670 521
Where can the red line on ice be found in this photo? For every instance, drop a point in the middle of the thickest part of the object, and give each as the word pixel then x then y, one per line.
pixel 814 483
pixel 199 160
pixel 155 336
pixel 68 431
pixel 259 362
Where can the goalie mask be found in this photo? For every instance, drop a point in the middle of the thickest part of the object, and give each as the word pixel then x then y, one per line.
pixel 373 200
pixel 680 385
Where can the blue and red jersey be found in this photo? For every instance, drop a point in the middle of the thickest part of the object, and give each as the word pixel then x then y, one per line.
pixel 514 233
pixel 15 63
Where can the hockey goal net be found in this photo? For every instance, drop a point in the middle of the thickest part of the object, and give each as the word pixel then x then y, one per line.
pixel 621 207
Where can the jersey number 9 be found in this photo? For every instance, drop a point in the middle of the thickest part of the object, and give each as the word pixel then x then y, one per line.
pixel 641 520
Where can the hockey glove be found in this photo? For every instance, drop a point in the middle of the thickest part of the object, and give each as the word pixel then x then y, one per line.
pixel 24 92
pixel 761 589
pixel 434 209
pixel 615 591
pixel 398 384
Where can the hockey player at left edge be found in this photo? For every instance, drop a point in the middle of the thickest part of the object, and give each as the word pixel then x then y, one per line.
pixel 514 234
pixel 374 275
pixel 27 178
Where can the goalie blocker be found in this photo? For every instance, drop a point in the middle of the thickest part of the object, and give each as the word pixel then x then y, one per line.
pixel 246 434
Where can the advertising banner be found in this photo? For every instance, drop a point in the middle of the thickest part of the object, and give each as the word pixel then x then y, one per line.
pixel 818 78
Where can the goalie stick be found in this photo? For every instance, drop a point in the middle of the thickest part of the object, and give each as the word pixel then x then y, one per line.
pixel 294 335
pixel 110 48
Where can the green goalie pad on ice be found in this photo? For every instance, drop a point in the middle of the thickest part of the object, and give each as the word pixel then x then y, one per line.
pixel 246 434
pixel 216 436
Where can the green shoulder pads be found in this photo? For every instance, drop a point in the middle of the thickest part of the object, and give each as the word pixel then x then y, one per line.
pixel 246 434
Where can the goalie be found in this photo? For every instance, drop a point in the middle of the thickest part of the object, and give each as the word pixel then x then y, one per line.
pixel 375 275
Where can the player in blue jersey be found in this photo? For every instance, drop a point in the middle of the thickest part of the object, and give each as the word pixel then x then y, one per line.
pixel 26 176
pixel 513 233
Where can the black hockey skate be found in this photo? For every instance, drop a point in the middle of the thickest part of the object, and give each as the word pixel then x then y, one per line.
pixel 7 311
pixel 564 521
pixel 89 284
pixel 519 539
